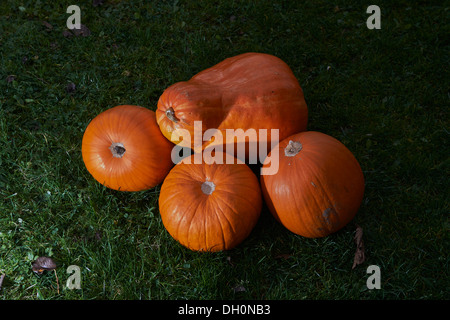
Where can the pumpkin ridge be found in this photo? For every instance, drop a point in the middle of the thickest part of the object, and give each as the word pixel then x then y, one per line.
pixel 224 215
pixel 220 222
pixel 230 184
pixel 231 208
pixel 182 218
pixel 312 167
pixel 121 122
pixel 180 175
pixel 196 172
pixel 140 127
pixel 238 195
pixel 199 204
pixel 143 174
pixel 296 194
pixel 333 143
pixel 167 198
pixel 323 193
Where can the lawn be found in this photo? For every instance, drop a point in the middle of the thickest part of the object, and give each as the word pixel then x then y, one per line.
pixel 382 92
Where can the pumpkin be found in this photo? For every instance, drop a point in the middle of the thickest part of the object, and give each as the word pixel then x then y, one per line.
pixel 318 187
pixel 250 91
pixel 123 149
pixel 210 207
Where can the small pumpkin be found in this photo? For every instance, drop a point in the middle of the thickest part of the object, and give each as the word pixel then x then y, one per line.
pixel 210 207
pixel 248 91
pixel 124 149
pixel 319 185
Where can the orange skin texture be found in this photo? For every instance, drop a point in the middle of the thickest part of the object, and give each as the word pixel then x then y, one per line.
pixel 147 159
pixel 319 190
pixel 210 222
pixel 251 90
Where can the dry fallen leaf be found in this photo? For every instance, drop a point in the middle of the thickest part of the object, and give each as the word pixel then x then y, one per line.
pixel 71 87
pixel 283 256
pixel 47 25
pixel 97 3
pixel 239 288
pixel 83 31
pixel 67 33
pixel 359 253
pixel 42 264
pixel 10 78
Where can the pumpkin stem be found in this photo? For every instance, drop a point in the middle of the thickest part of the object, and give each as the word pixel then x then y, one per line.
pixel 208 187
pixel 170 113
pixel 292 148
pixel 117 149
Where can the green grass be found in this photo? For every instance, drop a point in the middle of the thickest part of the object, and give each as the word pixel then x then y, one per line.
pixel 383 93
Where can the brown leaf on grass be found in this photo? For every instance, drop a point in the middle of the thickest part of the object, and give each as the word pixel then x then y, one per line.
pixel 239 288
pixel 359 253
pixel 283 256
pixel 47 25
pixel 71 87
pixel 97 3
pixel 83 31
pixel 67 33
pixel 42 264
pixel 10 78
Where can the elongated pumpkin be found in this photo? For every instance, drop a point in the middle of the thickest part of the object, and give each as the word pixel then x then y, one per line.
pixel 124 149
pixel 319 185
pixel 251 91
pixel 210 207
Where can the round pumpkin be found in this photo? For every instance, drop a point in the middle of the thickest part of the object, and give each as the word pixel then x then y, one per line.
pixel 210 207
pixel 124 149
pixel 318 187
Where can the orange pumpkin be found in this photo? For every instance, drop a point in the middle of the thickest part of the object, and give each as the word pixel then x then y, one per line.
pixel 124 149
pixel 319 185
pixel 249 91
pixel 210 207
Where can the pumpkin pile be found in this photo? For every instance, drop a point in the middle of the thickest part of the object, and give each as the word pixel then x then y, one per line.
pixel 212 205
pixel 124 149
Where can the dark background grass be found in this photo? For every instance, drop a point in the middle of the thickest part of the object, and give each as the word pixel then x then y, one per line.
pixel 383 93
